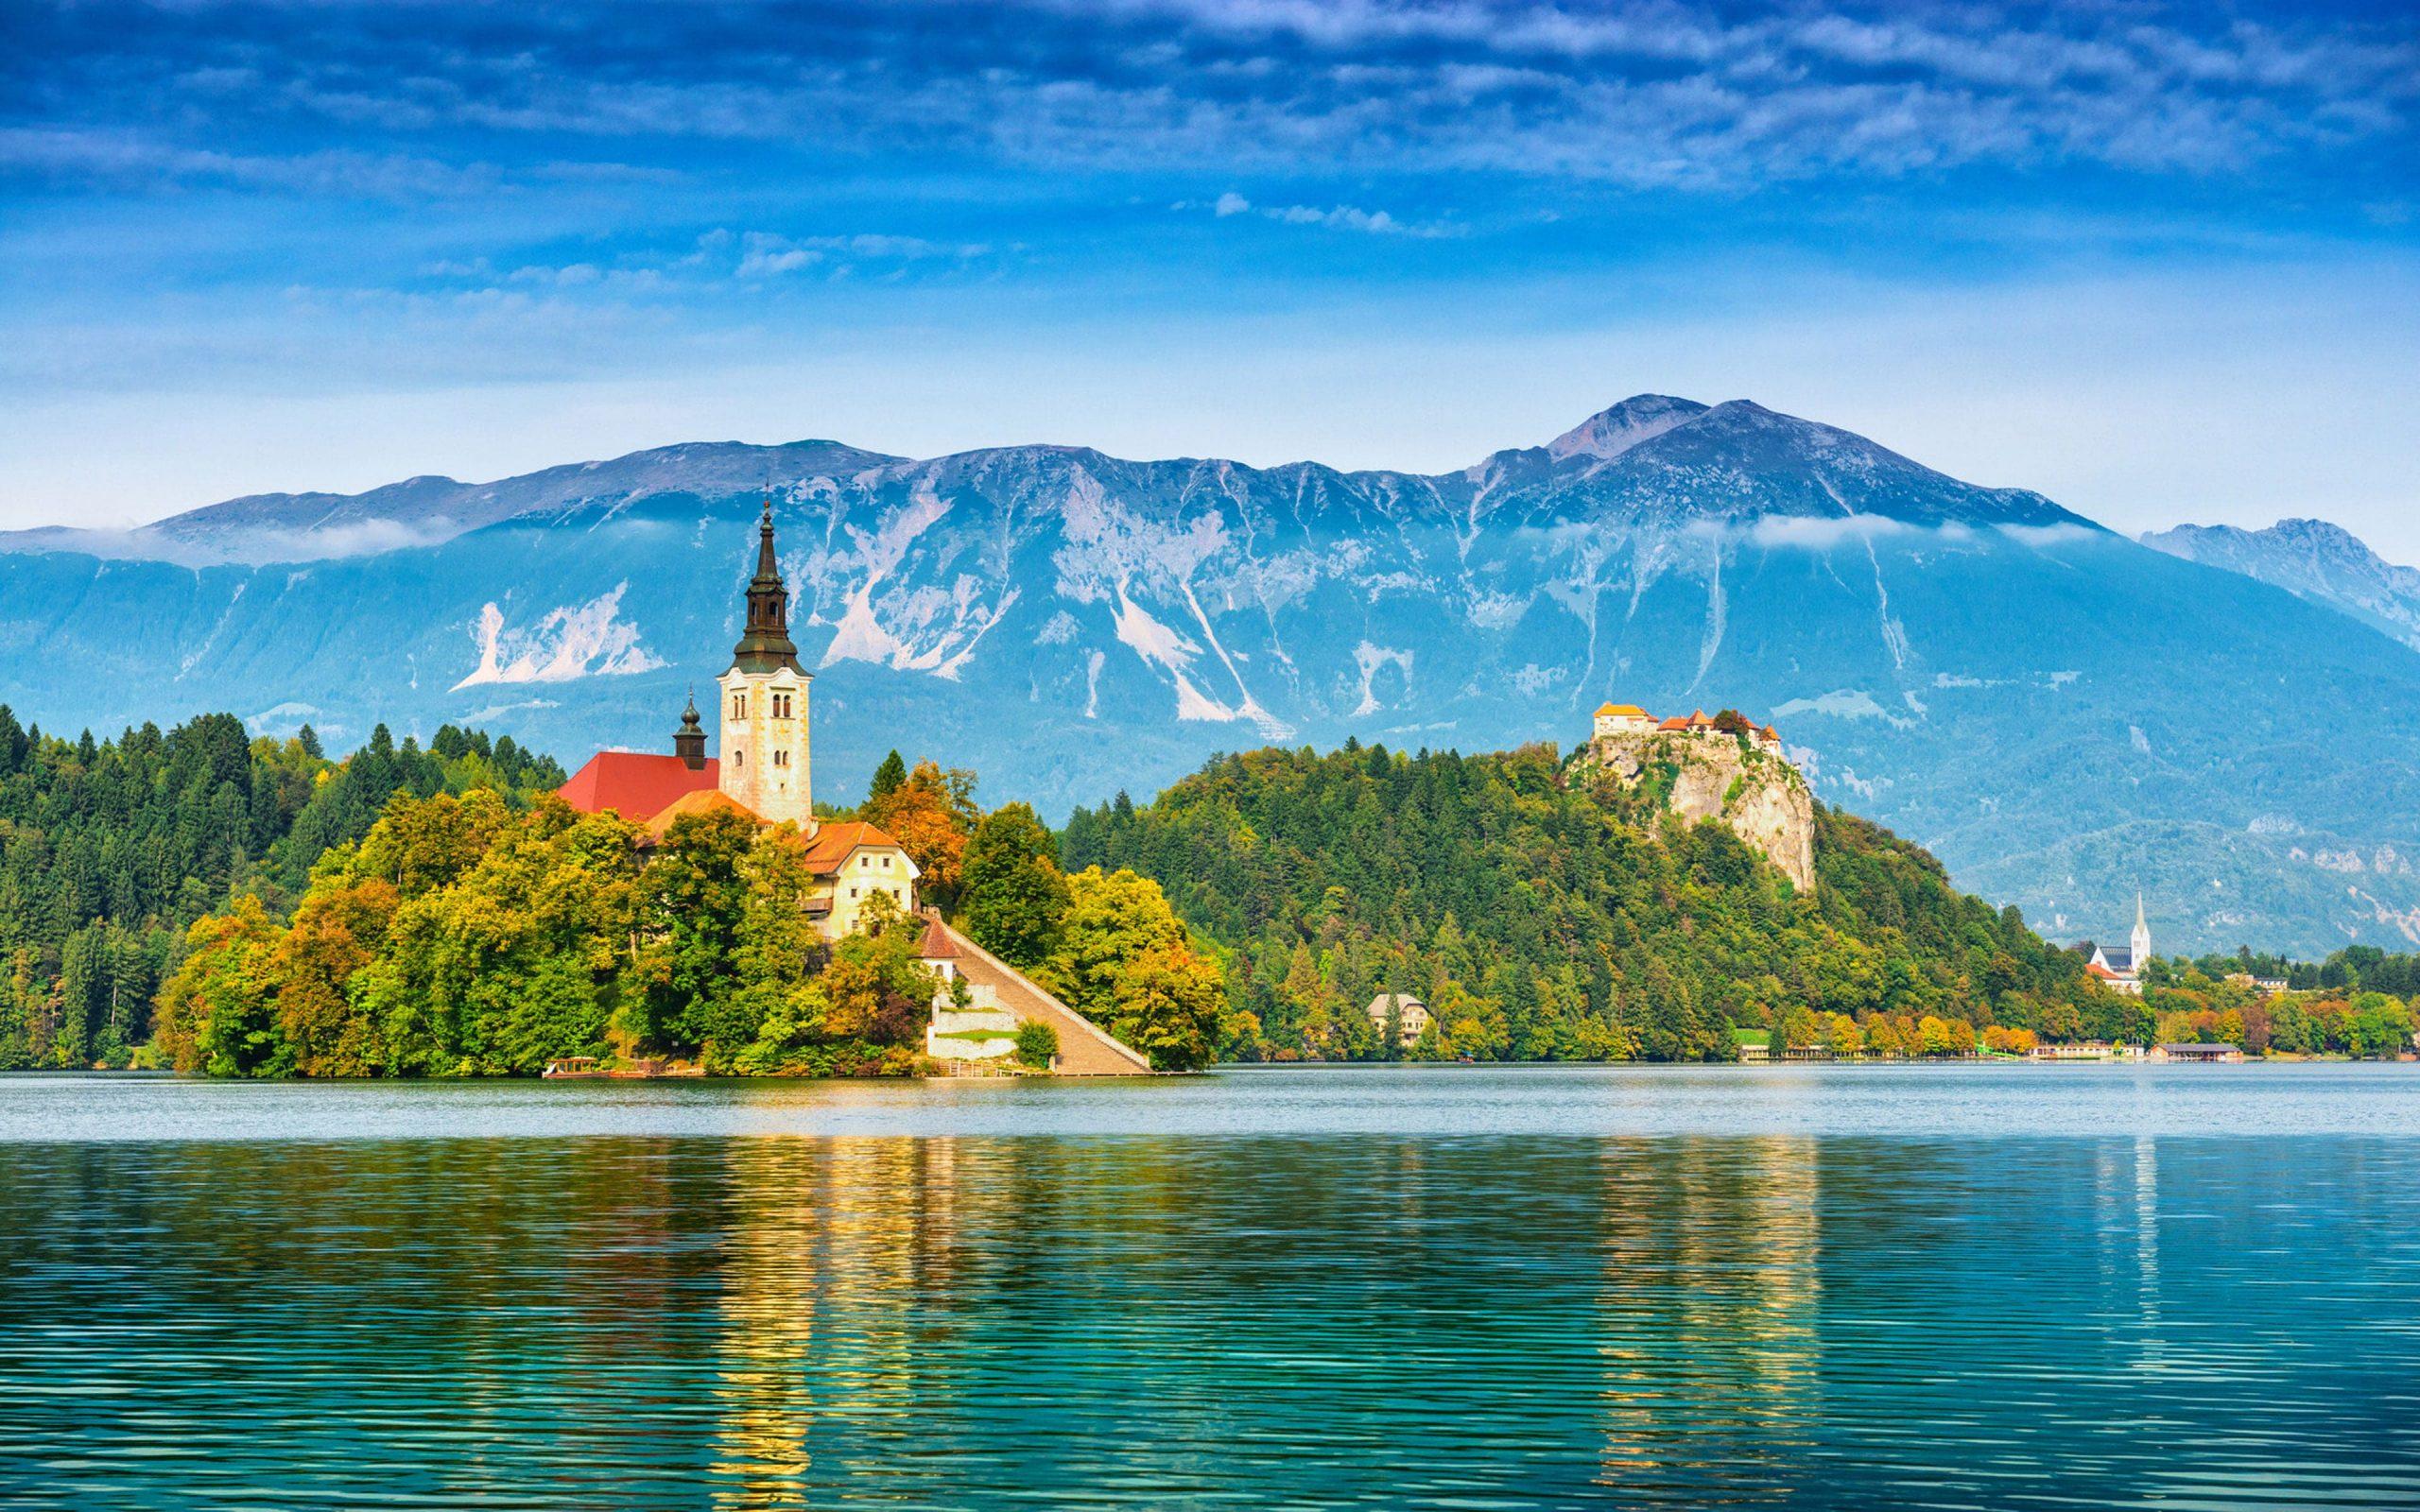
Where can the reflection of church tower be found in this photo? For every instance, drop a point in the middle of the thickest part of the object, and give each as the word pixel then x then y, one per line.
pixel 2142 941
pixel 764 702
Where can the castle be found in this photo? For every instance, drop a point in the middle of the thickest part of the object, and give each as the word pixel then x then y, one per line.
pixel 1615 721
pixel 1724 767
pixel 764 771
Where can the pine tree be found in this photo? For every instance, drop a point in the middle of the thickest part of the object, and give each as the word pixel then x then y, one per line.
pixel 886 778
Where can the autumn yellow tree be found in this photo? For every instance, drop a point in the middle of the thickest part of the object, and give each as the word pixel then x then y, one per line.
pixel 931 814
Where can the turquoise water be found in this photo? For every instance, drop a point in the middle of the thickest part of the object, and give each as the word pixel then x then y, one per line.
pixel 1530 1288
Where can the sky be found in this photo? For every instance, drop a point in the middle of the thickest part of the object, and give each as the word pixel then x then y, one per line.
pixel 2161 263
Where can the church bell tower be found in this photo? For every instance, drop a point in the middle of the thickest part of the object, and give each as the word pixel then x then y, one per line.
pixel 764 702
pixel 2142 938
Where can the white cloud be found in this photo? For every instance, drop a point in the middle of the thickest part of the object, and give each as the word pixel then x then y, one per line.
pixel 1334 217
pixel 2053 535
pixel 1821 532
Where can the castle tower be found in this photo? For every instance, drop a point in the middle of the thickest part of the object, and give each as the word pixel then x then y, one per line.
pixel 2142 939
pixel 764 702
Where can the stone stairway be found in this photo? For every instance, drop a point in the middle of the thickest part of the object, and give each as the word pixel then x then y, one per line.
pixel 1084 1048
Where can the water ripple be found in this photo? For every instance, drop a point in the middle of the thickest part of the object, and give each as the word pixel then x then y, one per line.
pixel 1185 1320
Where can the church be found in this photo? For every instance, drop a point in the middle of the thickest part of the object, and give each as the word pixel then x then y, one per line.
pixel 2123 969
pixel 764 768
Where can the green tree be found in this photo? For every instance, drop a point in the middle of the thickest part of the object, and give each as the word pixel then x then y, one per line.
pixel 886 778
pixel 1167 1002
pixel 1014 899
pixel 1037 1043
pixel 1114 919
pixel 697 894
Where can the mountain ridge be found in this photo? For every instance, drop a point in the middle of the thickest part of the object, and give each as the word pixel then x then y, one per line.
pixel 2061 713
pixel 268 528
pixel 2313 559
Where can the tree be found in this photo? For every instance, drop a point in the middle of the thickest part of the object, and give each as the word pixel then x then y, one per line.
pixel 1114 920
pixel 931 814
pixel 879 990
pixel 1014 899
pixel 886 778
pixel 1168 1004
pixel 214 1013
pixel 696 891
pixel 1037 1044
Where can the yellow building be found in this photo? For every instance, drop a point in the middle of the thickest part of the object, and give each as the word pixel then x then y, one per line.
pixel 854 863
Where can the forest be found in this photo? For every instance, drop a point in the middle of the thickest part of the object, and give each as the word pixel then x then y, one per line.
pixel 110 849
pixel 1543 918
pixel 209 901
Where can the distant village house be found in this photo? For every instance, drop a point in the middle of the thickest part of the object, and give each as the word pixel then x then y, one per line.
pixel 1410 1014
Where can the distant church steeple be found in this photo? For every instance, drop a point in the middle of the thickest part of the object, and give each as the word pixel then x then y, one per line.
pixel 690 743
pixel 2142 939
pixel 765 645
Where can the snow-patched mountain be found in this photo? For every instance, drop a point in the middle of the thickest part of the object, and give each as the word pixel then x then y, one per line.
pixel 2323 562
pixel 2061 713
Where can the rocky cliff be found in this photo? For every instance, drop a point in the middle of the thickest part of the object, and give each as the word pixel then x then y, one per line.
pixel 1709 775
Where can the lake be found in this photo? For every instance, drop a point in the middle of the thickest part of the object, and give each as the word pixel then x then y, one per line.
pixel 1855 1286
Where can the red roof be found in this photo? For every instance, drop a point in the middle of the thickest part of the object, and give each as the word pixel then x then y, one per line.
pixel 1676 722
pixel 635 784
pixel 832 843
pixel 935 944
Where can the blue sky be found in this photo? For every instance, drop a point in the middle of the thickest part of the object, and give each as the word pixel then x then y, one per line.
pixel 2161 263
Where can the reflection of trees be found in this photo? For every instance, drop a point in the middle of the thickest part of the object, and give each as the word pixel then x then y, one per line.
pixel 1707 1321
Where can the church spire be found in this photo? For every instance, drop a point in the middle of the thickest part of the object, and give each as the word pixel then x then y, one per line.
pixel 765 645
pixel 689 744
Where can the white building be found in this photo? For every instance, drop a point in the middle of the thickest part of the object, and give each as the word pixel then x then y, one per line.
pixel 2122 970
pixel 1622 719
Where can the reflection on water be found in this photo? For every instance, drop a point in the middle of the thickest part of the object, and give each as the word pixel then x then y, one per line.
pixel 1190 1321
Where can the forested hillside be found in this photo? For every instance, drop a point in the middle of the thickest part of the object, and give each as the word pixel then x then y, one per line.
pixel 1541 918
pixel 108 851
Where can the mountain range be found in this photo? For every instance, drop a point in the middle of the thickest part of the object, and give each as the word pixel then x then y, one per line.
pixel 2325 563
pixel 2063 714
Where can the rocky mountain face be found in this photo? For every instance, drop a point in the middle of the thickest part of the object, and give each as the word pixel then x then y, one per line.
pixel 2325 563
pixel 2060 713
pixel 1758 795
